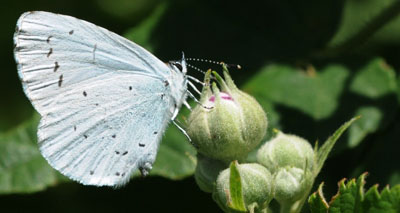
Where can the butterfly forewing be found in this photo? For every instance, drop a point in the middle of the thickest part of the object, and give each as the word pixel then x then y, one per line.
pixel 103 99
pixel 57 51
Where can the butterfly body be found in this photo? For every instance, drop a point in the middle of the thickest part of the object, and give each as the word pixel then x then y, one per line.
pixel 104 101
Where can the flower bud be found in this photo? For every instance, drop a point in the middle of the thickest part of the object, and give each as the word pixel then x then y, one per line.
pixel 290 184
pixel 256 183
pixel 286 150
pixel 228 123
pixel 291 161
pixel 207 171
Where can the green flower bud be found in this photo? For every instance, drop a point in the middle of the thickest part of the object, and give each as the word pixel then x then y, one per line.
pixel 291 161
pixel 228 123
pixel 207 171
pixel 290 184
pixel 286 151
pixel 256 183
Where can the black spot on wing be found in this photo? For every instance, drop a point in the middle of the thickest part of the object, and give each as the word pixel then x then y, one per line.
pixel 166 83
pixel 117 174
pixel 60 80
pixel 56 66
pixel 114 136
pixel 48 39
pixel 155 132
pixel 50 52
pixel 142 144
pixel 71 32
pixel 117 152
pixel 162 96
pixel 85 136
pixel 124 153
pixel 91 172
pixel 130 87
pixel 84 93
pixel 74 128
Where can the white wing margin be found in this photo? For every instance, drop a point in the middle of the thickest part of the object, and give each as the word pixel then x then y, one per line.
pixel 95 125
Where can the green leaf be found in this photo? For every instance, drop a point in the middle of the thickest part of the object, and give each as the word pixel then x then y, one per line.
pixel 369 122
pixel 22 167
pixel 326 96
pixel 235 188
pixel 382 158
pixel 317 201
pixel 389 199
pixel 362 19
pixel 176 158
pixel 374 80
pixel 398 90
pixel 314 93
pixel 127 9
pixel 142 33
pixel 351 198
pixel 348 198
pixel 323 152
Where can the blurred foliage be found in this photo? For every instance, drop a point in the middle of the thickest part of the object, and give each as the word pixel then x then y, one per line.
pixel 311 64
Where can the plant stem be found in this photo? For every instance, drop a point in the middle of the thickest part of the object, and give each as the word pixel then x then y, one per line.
pixel 384 17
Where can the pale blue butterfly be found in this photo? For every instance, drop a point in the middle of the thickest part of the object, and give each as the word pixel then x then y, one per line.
pixel 105 101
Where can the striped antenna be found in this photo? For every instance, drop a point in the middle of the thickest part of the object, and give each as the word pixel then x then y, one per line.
pixel 237 66
pixel 204 60
pixel 196 68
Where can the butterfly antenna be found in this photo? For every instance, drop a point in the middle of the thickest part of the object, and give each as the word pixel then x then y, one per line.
pixel 236 66
pixel 204 60
pixel 196 68
pixel 199 70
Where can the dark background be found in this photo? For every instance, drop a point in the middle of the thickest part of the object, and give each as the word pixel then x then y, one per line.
pixel 251 34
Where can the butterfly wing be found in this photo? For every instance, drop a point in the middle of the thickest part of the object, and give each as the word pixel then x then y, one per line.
pixel 103 99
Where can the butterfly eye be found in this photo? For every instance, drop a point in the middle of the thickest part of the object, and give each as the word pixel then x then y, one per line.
pixel 179 66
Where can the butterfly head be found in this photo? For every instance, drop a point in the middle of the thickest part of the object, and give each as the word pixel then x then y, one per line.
pixel 179 66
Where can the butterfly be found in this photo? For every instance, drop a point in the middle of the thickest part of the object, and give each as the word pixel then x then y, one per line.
pixel 104 101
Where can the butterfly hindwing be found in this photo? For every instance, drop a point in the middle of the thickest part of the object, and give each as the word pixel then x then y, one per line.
pixel 101 141
pixel 103 115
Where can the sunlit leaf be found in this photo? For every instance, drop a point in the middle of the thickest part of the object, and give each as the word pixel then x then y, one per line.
pixel 351 197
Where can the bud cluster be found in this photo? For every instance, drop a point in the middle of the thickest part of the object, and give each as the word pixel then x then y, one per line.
pixel 226 126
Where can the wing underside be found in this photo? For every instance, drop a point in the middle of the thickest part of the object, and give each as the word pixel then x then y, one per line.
pixel 103 99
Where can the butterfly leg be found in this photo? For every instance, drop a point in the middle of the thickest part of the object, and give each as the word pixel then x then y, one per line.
pixel 195 80
pixel 185 133
pixel 187 105
pixel 194 87
pixel 197 101
pixel 182 130
pixel 145 169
